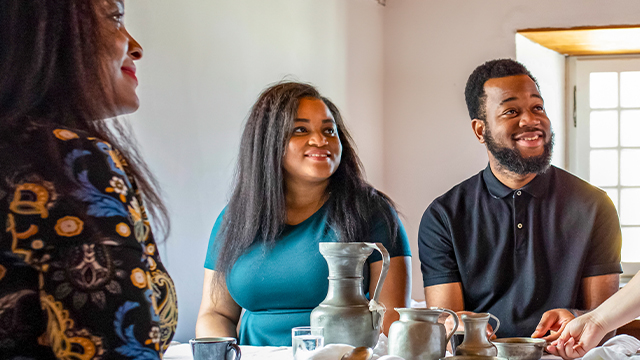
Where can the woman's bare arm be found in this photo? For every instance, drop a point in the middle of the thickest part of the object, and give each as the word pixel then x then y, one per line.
pixel 219 313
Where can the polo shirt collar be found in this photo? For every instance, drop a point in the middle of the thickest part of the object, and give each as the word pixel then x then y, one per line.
pixel 537 187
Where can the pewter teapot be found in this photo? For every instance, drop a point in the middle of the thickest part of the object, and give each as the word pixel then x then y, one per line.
pixel 345 314
pixel 418 335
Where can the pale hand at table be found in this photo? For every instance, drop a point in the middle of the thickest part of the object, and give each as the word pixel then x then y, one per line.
pixel 578 337
pixel 554 320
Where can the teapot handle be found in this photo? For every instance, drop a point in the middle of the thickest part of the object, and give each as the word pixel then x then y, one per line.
pixel 385 267
pixel 455 327
pixel 497 325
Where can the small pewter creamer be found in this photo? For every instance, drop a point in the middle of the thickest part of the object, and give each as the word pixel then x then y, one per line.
pixel 346 315
pixel 418 335
pixel 475 335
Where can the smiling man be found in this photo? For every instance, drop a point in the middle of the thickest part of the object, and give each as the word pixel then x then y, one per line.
pixel 521 237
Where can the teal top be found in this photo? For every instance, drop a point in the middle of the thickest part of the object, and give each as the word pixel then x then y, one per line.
pixel 279 286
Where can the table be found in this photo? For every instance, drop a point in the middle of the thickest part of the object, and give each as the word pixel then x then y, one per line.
pixel 183 352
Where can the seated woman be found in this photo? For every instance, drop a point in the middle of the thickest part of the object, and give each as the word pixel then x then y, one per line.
pixel 299 182
pixel 80 276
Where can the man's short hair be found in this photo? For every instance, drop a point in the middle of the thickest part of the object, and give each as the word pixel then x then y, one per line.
pixel 474 91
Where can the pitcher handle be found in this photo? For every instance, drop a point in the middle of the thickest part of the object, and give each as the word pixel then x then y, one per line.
pixel 497 325
pixel 455 327
pixel 236 349
pixel 385 267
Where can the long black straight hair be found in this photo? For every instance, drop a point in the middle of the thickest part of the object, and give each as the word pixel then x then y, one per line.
pixel 53 73
pixel 257 208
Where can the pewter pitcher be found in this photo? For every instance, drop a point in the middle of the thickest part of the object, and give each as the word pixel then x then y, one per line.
pixel 345 314
pixel 418 335
pixel 475 335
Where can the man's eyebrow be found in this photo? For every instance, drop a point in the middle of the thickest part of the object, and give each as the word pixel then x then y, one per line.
pixel 509 99
pixel 516 98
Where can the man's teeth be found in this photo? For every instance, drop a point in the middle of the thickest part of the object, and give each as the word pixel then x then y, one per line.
pixel 531 138
pixel 318 155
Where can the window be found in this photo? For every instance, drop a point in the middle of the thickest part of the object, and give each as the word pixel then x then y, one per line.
pixel 604 138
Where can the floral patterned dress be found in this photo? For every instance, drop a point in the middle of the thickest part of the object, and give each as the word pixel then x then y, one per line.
pixel 80 275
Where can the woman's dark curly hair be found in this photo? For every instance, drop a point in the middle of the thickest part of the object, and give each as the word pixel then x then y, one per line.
pixel 474 91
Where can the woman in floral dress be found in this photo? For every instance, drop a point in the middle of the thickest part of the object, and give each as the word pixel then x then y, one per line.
pixel 80 275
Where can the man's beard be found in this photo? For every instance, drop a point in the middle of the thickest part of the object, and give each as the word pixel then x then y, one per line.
pixel 512 159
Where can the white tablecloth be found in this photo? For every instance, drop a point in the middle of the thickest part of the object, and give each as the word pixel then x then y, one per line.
pixel 183 352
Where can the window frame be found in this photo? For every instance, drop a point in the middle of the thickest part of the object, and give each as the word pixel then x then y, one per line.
pixel 574 145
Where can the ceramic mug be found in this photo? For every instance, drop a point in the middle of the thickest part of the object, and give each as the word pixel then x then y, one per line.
pixel 214 348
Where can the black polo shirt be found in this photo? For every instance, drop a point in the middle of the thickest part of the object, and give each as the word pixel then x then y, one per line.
pixel 519 252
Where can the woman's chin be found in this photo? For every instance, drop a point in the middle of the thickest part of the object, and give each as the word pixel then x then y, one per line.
pixel 124 108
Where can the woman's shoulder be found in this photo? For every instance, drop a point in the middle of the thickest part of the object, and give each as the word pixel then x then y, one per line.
pixel 386 227
pixel 68 169
pixel 382 207
pixel 69 140
pixel 40 153
pixel 39 131
pixel 39 144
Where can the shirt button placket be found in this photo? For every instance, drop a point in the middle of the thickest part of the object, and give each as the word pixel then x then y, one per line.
pixel 518 209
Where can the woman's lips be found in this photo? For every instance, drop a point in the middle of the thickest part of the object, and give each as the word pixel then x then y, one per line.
pixel 318 155
pixel 131 72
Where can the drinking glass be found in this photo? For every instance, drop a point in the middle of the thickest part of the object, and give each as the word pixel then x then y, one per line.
pixel 304 340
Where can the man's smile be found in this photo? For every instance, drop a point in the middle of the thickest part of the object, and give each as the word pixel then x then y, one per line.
pixel 530 138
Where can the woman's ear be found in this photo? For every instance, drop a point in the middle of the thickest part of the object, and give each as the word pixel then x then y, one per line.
pixel 478 127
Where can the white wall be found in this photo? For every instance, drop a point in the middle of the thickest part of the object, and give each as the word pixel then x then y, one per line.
pixel 549 69
pixel 431 47
pixel 204 64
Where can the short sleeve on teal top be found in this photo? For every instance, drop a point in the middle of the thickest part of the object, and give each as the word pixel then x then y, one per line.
pixel 280 286
pixel 212 250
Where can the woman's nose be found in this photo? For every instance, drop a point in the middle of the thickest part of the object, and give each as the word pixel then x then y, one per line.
pixel 135 50
pixel 318 139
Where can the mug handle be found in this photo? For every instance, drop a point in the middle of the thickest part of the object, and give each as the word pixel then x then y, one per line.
pixel 455 327
pixel 385 267
pixel 497 325
pixel 236 348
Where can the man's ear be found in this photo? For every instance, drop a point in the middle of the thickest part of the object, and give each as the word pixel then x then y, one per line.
pixel 478 127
